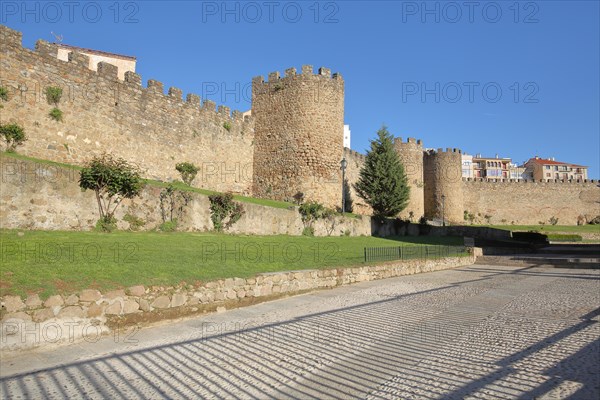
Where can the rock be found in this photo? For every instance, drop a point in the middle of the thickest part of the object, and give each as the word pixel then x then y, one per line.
pixel 114 309
pixel 130 306
pixel 144 305
pixel 241 294
pixel 90 295
pixel 221 309
pixel 193 301
pixel 95 310
pixel 210 297
pixel 229 282
pixel 33 301
pixel 231 294
pixel 43 315
pixel 239 281
pixel 137 291
pixel 71 312
pixel 13 303
pixel 113 294
pixel 19 315
pixel 219 296
pixel 178 300
pixel 161 302
pixel 53 301
pixel 72 300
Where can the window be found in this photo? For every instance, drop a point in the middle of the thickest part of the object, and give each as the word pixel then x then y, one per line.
pixel 547 167
pixel 548 174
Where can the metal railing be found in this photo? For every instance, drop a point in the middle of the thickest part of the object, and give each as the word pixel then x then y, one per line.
pixel 413 252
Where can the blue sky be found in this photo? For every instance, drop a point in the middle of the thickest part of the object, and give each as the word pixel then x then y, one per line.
pixel 517 79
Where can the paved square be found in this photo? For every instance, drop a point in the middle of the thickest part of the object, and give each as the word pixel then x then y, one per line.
pixel 473 332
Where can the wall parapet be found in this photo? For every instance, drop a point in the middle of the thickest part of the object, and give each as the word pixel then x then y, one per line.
pixel 48 52
pixel 531 181
pixel 291 73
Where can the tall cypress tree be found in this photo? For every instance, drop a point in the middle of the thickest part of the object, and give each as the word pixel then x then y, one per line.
pixel 383 183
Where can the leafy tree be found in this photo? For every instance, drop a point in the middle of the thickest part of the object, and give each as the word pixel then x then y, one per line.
pixel 382 182
pixel 13 135
pixel 113 179
pixel 188 172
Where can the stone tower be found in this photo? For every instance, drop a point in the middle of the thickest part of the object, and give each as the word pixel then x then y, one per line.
pixel 411 156
pixel 298 142
pixel 443 177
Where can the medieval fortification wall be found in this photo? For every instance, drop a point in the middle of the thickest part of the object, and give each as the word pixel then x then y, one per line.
pixel 293 142
pixel 102 113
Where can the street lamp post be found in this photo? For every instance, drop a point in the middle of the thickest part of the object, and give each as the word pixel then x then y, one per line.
pixel 443 216
pixel 343 165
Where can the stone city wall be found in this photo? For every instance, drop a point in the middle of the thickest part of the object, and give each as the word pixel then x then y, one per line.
pixel 104 114
pixel 43 196
pixel 528 202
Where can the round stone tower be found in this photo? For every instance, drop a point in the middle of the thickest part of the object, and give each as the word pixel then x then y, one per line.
pixel 298 135
pixel 411 156
pixel 443 185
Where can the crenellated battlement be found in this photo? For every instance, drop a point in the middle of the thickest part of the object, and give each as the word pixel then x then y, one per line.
pixel 47 54
pixel 409 142
pixel 291 74
pixel 101 112
pixel 532 181
pixel 353 153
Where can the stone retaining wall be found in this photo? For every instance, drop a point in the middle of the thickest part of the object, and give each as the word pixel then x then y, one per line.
pixel 89 314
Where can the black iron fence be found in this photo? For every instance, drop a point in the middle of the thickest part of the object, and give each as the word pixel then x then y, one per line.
pixel 413 252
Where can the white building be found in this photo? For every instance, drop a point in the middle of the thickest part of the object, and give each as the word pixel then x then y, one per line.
pixel 467 166
pixel 123 63
pixel 347 136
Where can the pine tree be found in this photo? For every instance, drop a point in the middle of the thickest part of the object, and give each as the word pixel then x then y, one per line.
pixel 383 183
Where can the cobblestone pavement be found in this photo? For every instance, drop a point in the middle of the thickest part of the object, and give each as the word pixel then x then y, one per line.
pixel 473 332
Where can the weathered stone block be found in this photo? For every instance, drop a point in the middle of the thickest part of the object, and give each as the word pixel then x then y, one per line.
pixel 33 301
pixel 13 303
pixel 161 302
pixel 178 300
pixel 138 290
pixel 90 295
pixel 53 301
pixel 71 312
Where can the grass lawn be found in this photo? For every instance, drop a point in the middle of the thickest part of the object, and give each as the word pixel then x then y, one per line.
pixel 551 228
pixel 49 262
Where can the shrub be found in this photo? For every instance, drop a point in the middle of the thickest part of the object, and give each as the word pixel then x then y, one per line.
pixel 3 93
pixel 106 224
pixel 172 203
pixel 595 220
pixel 56 114
pixel 135 223
pixel 330 217
pixel 53 95
pixel 299 198
pixel 224 212
pixel 227 125
pixel 553 220
pixel 560 237
pixel 13 135
pixel 308 231
pixel 188 172
pixel 310 212
pixel 113 179
pixel 347 232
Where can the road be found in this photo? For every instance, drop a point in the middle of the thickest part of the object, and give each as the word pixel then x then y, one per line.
pixel 472 332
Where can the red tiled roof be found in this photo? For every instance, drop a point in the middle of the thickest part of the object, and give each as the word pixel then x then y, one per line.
pixel 543 161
